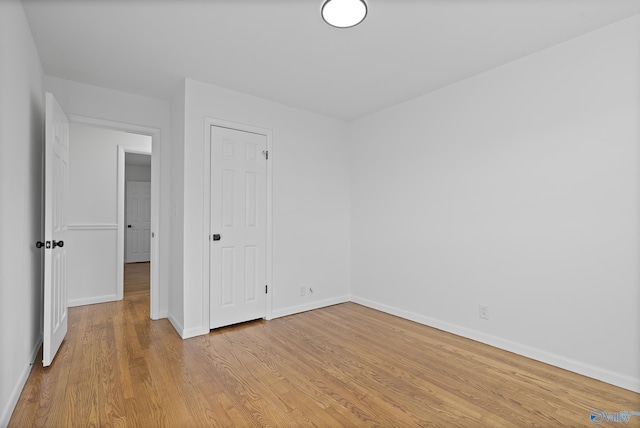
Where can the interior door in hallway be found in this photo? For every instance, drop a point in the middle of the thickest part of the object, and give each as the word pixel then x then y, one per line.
pixel 238 226
pixel 138 221
pixel 56 171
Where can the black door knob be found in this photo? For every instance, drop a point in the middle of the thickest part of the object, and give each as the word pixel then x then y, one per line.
pixel 58 244
pixel 216 237
pixel 39 244
pixel 128 225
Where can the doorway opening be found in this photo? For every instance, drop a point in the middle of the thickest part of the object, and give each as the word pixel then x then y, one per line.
pixel 136 143
pixel 137 207
pixel 135 215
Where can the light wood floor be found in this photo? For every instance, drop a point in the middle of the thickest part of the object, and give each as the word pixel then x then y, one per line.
pixel 340 366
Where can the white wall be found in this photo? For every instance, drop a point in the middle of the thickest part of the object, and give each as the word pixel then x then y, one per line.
pixel 310 201
pixel 93 203
pixel 518 189
pixel 109 105
pixel 21 144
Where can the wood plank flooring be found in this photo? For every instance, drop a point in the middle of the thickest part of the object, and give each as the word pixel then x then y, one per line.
pixel 136 280
pixel 341 366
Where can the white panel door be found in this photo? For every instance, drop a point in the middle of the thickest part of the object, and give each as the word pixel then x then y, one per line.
pixel 56 170
pixel 138 221
pixel 238 226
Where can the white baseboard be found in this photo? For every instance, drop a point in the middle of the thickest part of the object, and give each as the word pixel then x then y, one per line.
pixel 188 333
pixel 176 325
pixel 92 300
pixel 617 379
pixel 7 411
pixel 308 307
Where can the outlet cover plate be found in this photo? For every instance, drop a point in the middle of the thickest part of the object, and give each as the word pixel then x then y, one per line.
pixel 484 312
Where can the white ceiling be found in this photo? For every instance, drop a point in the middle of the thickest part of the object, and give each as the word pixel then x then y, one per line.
pixel 283 51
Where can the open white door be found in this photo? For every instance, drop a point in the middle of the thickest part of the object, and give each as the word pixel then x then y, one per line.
pixel 55 228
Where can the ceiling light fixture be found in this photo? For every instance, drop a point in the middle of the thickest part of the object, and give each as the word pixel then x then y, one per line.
pixel 344 13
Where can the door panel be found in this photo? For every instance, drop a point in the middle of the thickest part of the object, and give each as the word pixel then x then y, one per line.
pixel 238 214
pixel 250 273
pixel 55 228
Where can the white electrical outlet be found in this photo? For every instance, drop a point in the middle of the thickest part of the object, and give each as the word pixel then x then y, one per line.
pixel 484 312
pixel 303 291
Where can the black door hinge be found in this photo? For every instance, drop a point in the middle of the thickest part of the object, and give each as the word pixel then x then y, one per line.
pixel 266 154
pixel 266 289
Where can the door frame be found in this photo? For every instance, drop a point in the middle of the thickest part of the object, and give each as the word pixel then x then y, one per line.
pixel 206 289
pixel 154 151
